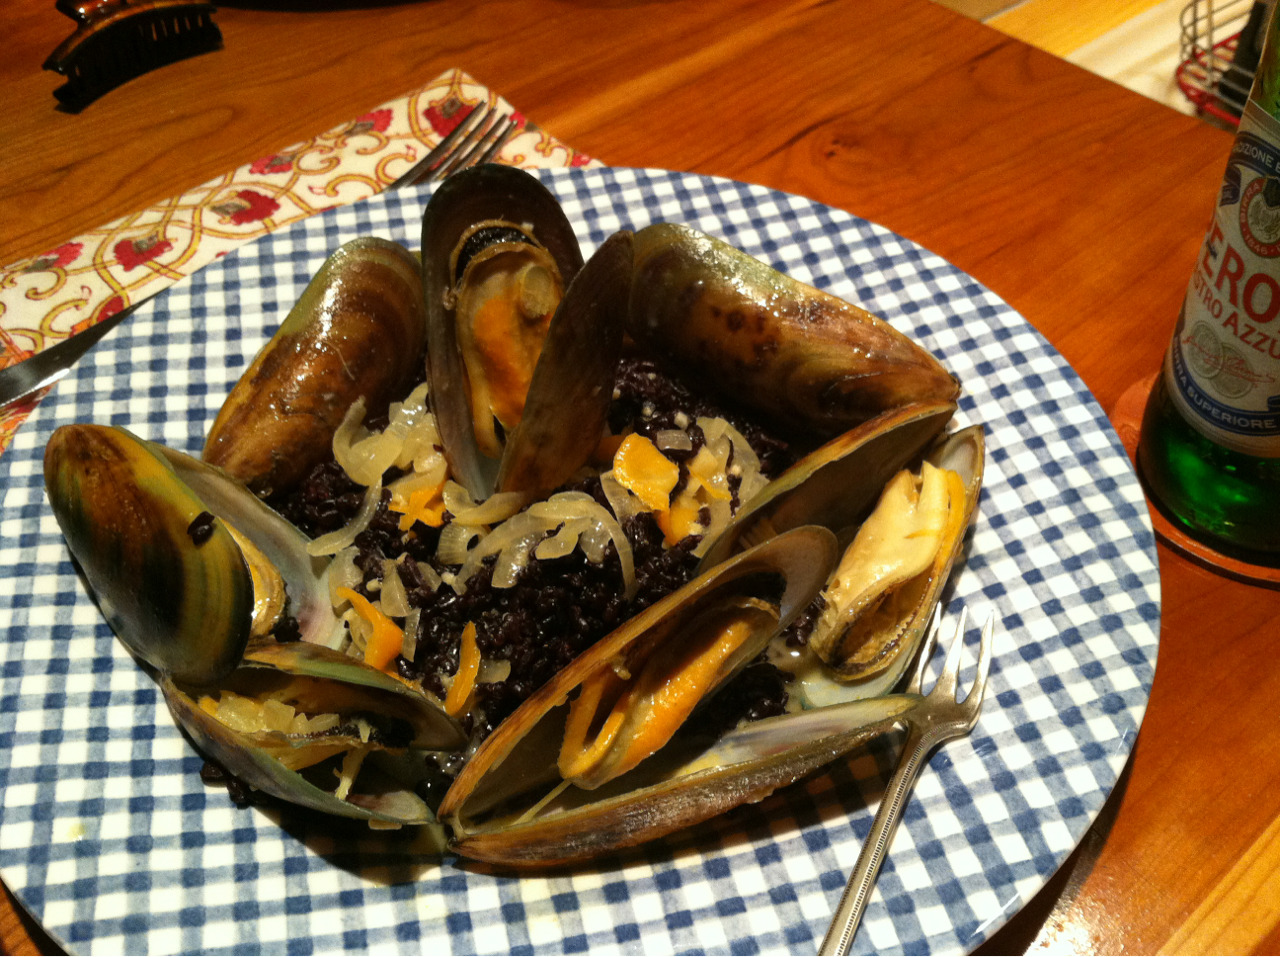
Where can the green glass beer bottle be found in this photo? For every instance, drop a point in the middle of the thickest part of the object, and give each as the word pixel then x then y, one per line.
pixel 1209 450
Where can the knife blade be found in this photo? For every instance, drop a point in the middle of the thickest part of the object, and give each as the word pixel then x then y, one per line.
pixel 45 368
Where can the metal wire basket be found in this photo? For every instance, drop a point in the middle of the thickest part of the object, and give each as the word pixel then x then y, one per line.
pixel 1219 48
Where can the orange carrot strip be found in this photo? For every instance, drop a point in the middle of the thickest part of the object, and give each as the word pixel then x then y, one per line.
pixel 387 638
pixel 464 681
pixel 640 468
pixel 578 755
pixel 424 505
pixel 677 522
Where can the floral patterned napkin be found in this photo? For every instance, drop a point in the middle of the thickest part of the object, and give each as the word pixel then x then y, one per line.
pixel 52 296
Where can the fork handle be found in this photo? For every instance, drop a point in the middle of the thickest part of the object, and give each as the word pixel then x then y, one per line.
pixel 863 879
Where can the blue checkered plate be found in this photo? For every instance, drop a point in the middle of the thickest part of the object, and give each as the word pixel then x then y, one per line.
pixel 110 839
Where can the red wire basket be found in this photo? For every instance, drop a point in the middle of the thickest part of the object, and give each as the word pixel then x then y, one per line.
pixel 1215 73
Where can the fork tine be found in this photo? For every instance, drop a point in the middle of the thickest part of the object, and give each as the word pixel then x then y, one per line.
pixel 979 687
pixel 465 147
pixel 501 141
pixel 925 654
pixel 468 154
pixel 445 149
pixel 951 666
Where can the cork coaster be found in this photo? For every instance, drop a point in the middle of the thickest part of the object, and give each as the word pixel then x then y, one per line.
pixel 1126 418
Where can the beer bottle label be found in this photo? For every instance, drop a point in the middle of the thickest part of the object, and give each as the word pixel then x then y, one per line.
pixel 1223 364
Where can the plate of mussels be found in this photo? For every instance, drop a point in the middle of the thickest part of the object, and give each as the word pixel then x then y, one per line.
pixel 530 564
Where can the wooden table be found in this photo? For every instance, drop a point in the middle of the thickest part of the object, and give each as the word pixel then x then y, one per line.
pixel 1078 202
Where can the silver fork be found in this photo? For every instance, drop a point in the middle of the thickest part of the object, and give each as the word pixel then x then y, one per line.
pixel 938 718
pixel 475 140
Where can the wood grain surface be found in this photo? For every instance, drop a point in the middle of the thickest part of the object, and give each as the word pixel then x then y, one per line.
pixel 1078 202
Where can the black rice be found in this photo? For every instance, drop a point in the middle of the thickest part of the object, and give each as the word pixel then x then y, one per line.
pixel 558 608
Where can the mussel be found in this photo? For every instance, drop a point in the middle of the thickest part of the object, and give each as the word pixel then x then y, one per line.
pixel 358 331
pixel 197 576
pixel 900 496
pixel 498 255
pixel 573 379
pixel 795 354
pixel 880 596
pixel 319 729
pixel 583 766
pixel 182 588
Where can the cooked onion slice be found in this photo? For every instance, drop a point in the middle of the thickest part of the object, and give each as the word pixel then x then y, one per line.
pixel 455 540
pixel 514 540
pixel 496 508
pixel 335 541
pixel 394 601
pixel 674 439
pixel 410 439
pixel 294 738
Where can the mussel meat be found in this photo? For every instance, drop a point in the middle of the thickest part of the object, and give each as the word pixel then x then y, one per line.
pixel 882 592
pixel 497 255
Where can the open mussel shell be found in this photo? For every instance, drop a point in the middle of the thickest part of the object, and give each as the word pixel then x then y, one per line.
pixel 185 563
pixel 691 783
pixel 797 355
pixel 274 550
pixel 868 636
pixel 517 803
pixel 319 729
pixel 497 255
pixel 358 330
pixel 568 401
pixel 182 605
pixel 836 484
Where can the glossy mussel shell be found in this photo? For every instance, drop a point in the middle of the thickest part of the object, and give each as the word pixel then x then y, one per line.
pixel 509 804
pixel 795 354
pixel 482 218
pixel 567 405
pixel 192 572
pixel 358 330
pixel 184 561
pixel 179 597
pixel 837 486
pixel 378 717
